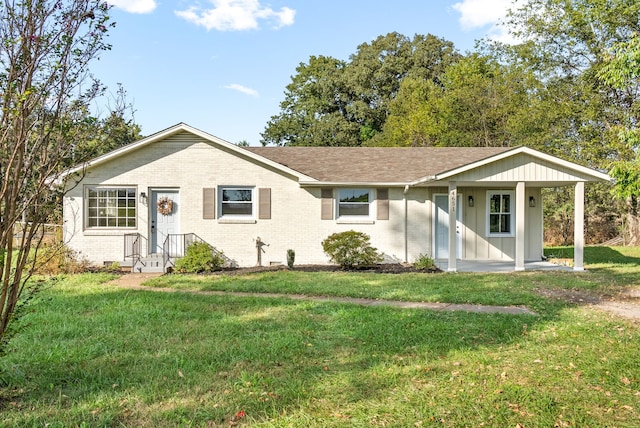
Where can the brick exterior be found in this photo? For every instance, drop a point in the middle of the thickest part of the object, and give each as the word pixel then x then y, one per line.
pixel 190 164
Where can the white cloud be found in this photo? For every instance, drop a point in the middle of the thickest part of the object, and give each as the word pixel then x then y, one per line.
pixel 230 15
pixel 135 6
pixel 243 89
pixel 476 14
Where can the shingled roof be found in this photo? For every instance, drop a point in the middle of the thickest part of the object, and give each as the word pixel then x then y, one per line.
pixel 375 164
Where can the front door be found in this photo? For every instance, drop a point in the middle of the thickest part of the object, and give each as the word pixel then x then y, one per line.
pixel 441 232
pixel 165 217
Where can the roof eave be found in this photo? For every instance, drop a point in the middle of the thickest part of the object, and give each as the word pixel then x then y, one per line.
pixel 174 130
pixel 318 183
pixel 597 175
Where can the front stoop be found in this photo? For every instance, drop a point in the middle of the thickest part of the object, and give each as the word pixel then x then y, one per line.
pixel 149 264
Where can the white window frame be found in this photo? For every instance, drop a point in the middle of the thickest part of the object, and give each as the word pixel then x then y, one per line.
pixel 356 217
pixel 511 213
pixel 221 203
pixel 111 212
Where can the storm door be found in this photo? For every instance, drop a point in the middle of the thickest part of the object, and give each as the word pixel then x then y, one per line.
pixel 165 217
pixel 441 226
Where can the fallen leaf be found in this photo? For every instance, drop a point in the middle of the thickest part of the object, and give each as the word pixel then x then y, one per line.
pixel 625 380
pixel 180 373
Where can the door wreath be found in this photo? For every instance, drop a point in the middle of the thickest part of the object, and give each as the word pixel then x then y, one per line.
pixel 165 206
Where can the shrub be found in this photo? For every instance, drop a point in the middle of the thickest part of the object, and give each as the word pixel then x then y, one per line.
pixel 291 257
pixel 56 258
pixel 423 262
pixel 200 257
pixel 351 249
pixel 114 267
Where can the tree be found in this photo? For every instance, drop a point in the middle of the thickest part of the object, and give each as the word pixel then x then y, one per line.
pixel 566 44
pixel 346 103
pixel 101 135
pixel 46 47
pixel 315 109
pixel 622 71
pixel 479 102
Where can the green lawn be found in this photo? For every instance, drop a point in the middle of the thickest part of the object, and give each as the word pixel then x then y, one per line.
pixel 89 354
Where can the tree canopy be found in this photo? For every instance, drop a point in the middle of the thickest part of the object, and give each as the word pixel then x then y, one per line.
pixel 346 103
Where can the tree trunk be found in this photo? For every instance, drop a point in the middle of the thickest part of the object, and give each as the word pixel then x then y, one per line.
pixel 633 221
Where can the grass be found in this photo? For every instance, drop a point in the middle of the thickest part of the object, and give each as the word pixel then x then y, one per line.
pixel 611 269
pixel 96 355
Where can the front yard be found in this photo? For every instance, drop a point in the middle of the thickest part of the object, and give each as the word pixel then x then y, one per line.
pixel 92 354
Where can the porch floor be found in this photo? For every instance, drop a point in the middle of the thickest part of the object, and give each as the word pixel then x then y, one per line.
pixel 498 266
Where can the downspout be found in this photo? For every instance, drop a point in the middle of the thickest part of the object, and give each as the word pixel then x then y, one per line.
pixel 406 224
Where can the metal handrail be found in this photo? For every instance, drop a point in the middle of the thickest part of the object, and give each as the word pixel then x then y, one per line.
pixel 134 247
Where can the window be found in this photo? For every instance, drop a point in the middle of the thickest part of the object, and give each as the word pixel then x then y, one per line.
pixel 111 207
pixel 236 202
pixel 354 202
pixel 500 213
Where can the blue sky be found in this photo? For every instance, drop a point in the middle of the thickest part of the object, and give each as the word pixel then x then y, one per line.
pixel 223 65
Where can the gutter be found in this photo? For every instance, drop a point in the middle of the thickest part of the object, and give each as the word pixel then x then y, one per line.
pixel 349 184
pixel 423 180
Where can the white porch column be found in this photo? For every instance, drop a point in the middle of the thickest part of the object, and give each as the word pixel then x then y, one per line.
pixel 520 224
pixel 453 239
pixel 578 232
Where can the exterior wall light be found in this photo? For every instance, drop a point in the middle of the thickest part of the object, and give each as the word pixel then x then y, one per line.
pixel 532 201
pixel 143 198
pixel 471 201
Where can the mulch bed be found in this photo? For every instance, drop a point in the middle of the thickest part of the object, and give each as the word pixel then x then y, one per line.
pixel 392 268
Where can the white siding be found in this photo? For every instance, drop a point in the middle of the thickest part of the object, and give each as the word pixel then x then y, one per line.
pixel 522 167
pixel 478 246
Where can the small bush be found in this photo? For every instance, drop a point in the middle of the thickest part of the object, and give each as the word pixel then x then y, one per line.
pixel 291 258
pixel 56 258
pixel 113 267
pixel 351 249
pixel 200 258
pixel 423 262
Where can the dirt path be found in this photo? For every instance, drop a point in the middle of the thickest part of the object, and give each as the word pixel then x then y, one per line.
pixel 134 282
pixel 626 304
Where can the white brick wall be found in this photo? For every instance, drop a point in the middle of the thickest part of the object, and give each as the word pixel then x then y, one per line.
pixel 189 164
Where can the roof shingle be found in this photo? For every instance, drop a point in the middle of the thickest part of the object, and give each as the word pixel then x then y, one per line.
pixel 374 164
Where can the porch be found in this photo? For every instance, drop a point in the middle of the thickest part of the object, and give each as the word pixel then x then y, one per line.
pixel 492 266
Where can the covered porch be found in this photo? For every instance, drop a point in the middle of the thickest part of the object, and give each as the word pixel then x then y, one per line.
pixel 518 233
pixel 492 266
pixel 509 217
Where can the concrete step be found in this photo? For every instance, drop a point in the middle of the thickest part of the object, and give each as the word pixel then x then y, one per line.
pixel 149 264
